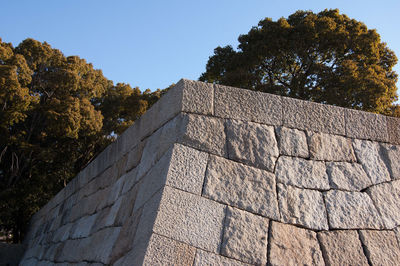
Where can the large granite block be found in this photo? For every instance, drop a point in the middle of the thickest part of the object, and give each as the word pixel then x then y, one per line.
pixel 342 248
pixel 191 219
pixel 391 155
pixel 204 258
pixel 381 247
pixel 251 143
pixel 386 198
pixel 291 245
pixel 393 128
pixel 245 237
pixel 197 97
pixel 313 116
pixel 351 210
pixel 302 207
pixel 328 147
pixel 364 125
pixel 248 105
pixel 292 142
pixel 347 176
pixel 241 186
pixel 302 173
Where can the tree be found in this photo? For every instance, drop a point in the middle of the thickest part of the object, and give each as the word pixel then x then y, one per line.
pixel 325 57
pixel 52 105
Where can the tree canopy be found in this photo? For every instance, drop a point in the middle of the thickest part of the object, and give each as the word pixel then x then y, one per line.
pixel 57 113
pixel 325 57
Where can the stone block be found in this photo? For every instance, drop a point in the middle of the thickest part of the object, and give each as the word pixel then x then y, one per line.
pixel 292 142
pixel 351 210
pixel 251 143
pixel 326 147
pixel 165 251
pixel 126 206
pixel 204 133
pixel 386 198
pixel 391 155
pixel 342 248
pixel 381 247
pixel 364 125
pixel 241 186
pixel 245 237
pixel 347 176
pixel 397 232
pixel 313 116
pixel 301 173
pixel 107 216
pixel 302 207
pixel 393 128
pixel 134 156
pixel 291 245
pixel 204 258
pixel 62 233
pixel 190 218
pixel 368 155
pixel 197 97
pixel 98 247
pixel 248 105
pixel 83 226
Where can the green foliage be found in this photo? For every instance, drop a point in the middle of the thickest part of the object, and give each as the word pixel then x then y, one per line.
pixel 56 114
pixel 325 57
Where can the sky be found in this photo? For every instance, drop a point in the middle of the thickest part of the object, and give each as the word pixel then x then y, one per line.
pixel 152 44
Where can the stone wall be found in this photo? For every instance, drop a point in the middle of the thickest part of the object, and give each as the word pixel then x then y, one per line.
pixel 214 175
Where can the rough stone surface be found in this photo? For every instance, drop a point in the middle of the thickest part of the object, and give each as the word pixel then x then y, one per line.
pixel 241 186
pixel 397 232
pixel 386 198
pixel 393 128
pixel 191 219
pixel 187 168
pixel 292 142
pixel 367 153
pixel 204 258
pixel 302 207
pixel 382 247
pixel 245 237
pixel 204 133
pixel 197 97
pixel 165 251
pixel 313 116
pixel 134 156
pixel 83 226
pixel 391 155
pixel 347 176
pixel 248 105
pixel 351 210
pixel 302 173
pixel 364 125
pixel 342 248
pixel 291 245
pixel 328 147
pixel 251 143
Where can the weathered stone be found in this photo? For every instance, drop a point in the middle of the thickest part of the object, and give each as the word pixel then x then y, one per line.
pixel 364 125
pixel 291 245
pixel 313 116
pixel 248 105
pixel 397 232
pixel 191 219
pixel 186 169
pixel 351 210
pixel 302 207
pixel 386 198
pixel 62 233
pixel 328 147
pixel 342 248
pixel 347 176
pixel 241 186
pixel 393 128
pixel 197 97
pixel 165 251
pixel 302 173
pixel 130 180
pixel 83 226
pixel 381 247
pixel 134 156
pixel 368 155
pixel 251 143
pixel 292 142
pixel 245 237
pixel 391 155
pixel 204 133
pixel 126 206
pixel 204 258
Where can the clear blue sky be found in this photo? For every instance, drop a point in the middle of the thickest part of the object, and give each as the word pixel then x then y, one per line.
pixel 151 44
